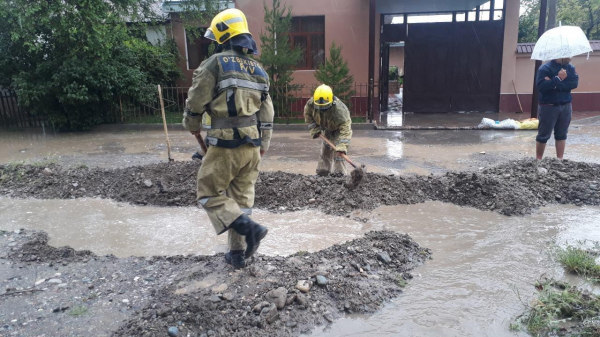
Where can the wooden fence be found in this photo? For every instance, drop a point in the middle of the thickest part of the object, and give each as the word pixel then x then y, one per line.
pixel 14 116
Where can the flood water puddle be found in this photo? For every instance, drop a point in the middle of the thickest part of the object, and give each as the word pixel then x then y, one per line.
pixel 481 260
pixel 108 227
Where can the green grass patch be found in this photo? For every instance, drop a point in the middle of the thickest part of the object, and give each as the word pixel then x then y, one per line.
pixel 579 261
pixel 560 306
pixel 77 311
pixel 44 163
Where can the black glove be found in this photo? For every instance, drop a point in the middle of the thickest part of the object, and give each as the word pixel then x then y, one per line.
pixel 197 155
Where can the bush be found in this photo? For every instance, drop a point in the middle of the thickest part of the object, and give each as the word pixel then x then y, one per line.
pixel 71 60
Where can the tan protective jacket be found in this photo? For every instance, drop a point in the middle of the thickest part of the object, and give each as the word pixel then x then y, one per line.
pixel 335 123
pixel 234 90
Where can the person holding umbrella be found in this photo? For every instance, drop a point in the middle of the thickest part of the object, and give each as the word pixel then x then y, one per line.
pixel 554 81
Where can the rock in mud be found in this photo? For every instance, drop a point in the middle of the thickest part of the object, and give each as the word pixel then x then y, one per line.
pixel 384 257
pixel 321 280
pixel 303 286
pixel 228 296
pixel 301 299
pixel 290 299
pixel 215 298
pixel 270 313
pixel 277 297
pixel 148 183
pixel 220 288
pixel 260 306
pixel 173 331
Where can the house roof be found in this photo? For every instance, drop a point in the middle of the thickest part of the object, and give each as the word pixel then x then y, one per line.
pixel 176 5
pixel 527 48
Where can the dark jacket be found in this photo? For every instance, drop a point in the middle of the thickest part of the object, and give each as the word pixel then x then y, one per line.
pixel 556 91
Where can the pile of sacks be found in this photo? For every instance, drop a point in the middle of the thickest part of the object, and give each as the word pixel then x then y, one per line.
pixel 510 124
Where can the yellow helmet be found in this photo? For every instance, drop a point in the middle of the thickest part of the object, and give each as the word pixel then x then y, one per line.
pixel 227 24
pixel 323 97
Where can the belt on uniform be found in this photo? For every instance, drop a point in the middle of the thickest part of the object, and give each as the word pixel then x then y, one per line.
pixel 233 122
pixel 232 144
pixel 554 104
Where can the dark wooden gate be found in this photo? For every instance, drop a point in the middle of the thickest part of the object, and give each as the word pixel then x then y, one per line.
pixel 385 76
pixel 453 66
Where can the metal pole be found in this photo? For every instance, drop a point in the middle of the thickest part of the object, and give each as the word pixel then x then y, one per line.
pixel 541 30
pixel 371 58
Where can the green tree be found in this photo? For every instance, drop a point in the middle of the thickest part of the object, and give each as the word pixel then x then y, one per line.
pixel 336 74
pixel 277 55
pixel 195 13
pixel 71 60
pixel 582 13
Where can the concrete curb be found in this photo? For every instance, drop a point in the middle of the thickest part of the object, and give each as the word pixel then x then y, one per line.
pixel 406 128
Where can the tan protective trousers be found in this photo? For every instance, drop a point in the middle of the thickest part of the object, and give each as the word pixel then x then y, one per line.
pixel 330 158
pixel 226 187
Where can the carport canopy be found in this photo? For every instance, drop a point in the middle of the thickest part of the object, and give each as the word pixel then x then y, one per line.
pixel 426 6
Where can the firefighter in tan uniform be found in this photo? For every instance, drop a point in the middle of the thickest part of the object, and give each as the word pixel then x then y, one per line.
pixel 327 115
pixel 233 90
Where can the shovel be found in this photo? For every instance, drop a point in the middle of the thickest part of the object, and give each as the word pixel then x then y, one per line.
pixel 357 174
pixel 201 143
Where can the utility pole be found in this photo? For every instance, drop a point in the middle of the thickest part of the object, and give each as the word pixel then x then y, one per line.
pixel 538 63
pixel 551 14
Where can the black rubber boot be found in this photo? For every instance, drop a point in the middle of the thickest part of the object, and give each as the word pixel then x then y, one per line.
pixel 253 232
pixel 236 258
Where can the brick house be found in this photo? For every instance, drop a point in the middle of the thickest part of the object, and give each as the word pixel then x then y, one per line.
pixel 458 55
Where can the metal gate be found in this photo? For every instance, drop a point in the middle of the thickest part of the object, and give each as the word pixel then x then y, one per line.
pixel 453 66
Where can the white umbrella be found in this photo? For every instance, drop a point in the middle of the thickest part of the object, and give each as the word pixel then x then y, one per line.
pixel 561 42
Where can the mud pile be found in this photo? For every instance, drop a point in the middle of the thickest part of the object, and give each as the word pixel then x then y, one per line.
pixel 513 188
pixel 199 295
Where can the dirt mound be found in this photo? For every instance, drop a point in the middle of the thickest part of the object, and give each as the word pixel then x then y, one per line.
pixel 514 188
pixel 201 295
pixel 36 249
pixel 359 277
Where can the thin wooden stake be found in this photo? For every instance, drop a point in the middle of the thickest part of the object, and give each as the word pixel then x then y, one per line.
pixel 164 118
pixel 518 99
pixel 121 106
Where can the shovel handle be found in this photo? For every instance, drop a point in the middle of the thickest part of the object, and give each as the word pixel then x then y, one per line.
pixel 201 142
pixel 343 155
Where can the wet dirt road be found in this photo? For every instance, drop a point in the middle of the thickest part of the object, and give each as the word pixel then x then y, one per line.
pixel 387 152
pixel 481 259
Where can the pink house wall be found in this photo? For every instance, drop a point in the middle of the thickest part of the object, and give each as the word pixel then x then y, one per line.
pixel 346 23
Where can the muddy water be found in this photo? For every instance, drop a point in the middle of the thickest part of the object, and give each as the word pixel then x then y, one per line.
pixel 387 152
pixel 481 259
pixel 107 227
